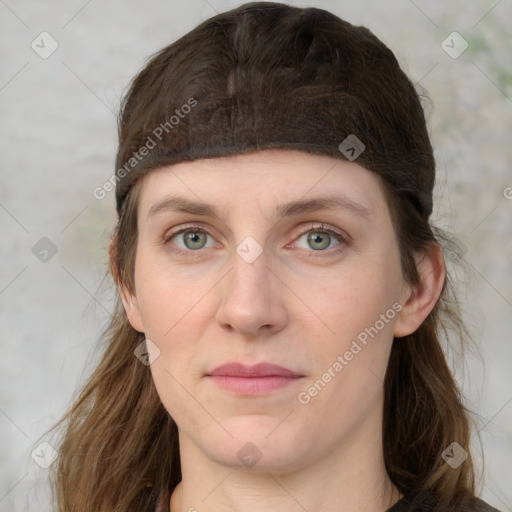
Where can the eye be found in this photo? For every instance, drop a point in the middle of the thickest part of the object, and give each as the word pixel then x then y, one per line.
pixel 320 239
pixel 191 239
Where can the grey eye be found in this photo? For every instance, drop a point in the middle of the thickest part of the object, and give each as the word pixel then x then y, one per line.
pixel 318 240
pixel 192 239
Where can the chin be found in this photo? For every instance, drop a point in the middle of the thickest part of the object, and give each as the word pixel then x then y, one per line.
pixel 259 443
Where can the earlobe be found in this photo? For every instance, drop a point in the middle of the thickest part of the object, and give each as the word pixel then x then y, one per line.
pixel 131 307
pixel 420 300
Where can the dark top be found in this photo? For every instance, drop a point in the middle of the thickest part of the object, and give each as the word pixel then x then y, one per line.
pixel 429 504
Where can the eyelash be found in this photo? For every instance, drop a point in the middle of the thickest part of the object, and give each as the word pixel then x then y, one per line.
pixel 343 239
pixel 168 236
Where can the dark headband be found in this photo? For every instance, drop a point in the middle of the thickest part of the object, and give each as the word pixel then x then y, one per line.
pixel 309 127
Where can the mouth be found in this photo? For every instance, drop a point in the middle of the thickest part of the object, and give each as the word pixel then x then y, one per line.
pixel 260 379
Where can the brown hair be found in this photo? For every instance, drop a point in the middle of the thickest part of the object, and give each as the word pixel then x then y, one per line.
pixel 267 75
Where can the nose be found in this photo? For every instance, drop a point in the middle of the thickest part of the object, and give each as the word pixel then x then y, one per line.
pixel 252 302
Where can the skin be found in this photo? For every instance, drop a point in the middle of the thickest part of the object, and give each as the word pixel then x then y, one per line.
pixel 296 305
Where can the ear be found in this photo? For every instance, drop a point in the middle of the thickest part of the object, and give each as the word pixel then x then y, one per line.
pixel 113 259
pixel 420 300
pixel 129 298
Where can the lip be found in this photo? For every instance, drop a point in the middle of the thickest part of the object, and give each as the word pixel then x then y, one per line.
pixel 252 371
pixel 250 380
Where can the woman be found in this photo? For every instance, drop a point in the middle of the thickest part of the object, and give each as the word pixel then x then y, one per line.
pixel 283 298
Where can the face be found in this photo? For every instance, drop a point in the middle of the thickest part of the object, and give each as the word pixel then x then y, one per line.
pixel 273 258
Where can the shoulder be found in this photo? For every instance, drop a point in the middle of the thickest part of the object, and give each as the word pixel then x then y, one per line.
pixel 428 503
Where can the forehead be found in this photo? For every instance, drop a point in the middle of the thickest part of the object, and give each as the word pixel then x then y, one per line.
pixel 264 178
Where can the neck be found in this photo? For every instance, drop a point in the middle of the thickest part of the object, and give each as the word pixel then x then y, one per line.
pixel 351 478
pixel 276 493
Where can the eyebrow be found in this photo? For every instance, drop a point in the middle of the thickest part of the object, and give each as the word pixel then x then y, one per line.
pixel 180 204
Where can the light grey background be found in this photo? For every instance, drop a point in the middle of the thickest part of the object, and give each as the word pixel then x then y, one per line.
pixel 58 140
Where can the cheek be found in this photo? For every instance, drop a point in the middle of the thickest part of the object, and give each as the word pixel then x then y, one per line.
pixel 354 298
pixel 172 310
pixel 175 309
pixel 167 297
pixel 359 305
pixel 349 366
